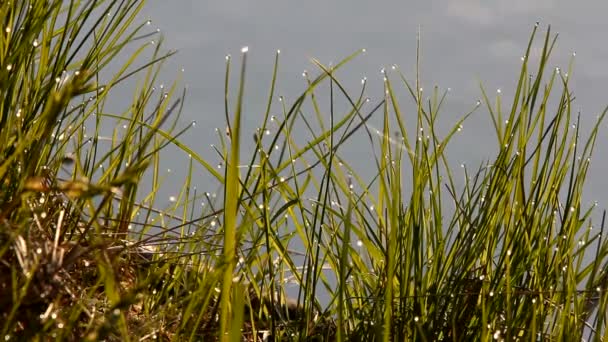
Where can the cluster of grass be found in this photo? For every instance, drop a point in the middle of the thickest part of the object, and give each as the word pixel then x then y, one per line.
pixel 508 253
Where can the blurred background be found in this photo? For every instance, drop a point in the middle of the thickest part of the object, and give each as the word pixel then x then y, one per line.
pixel 464 43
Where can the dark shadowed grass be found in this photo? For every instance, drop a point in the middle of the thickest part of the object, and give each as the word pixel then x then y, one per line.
pixel 414 253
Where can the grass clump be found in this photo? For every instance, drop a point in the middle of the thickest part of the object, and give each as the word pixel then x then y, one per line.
pixel 412 254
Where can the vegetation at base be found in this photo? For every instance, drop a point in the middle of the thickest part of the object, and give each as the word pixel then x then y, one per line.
pixel 414 253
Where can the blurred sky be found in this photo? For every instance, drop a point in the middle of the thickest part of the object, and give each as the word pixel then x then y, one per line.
pixel 464 42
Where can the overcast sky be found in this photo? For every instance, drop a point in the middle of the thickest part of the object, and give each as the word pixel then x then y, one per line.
pixel 464 42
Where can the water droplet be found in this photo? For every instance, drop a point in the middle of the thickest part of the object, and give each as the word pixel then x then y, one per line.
pixel 363 50
pixel 9 67
pixel 359 243
pixel 7 29
pixel 478 102
pixel 382 71
pixel 213 223
pixel 193 123
pixel 498 90
pixel 363 80
pixel 54 315
pixel 172 199
pixel 574 54
pixel 267 132
pixel 227 57
pixel 491 293
pixel 278 52
pixel 557 70
pixel 18 114
pixel 35 43
pixel 244 49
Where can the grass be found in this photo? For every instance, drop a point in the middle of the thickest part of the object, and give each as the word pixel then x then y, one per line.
pixel 416 253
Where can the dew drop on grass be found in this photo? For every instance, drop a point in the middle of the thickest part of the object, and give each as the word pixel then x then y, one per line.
pixel 9 67
pixel 35 43
pixel 498 91
pixel 244 49
pixel 416 319
pixel 172 199
pixel 478 103
pixel 7 29
pixel 491 293
pixel 359 243
pixel 363 80
pixel 227 57
pixel 39 250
